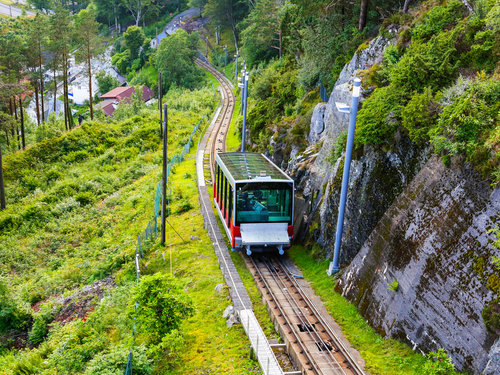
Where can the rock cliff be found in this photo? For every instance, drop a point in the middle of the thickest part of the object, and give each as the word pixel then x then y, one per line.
pixel 408 218
pixel 434 241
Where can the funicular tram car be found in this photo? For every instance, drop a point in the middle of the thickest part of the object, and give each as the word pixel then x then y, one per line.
pixel 254 199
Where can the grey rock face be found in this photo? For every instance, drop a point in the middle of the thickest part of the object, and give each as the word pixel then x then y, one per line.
pixel 431 240
pixel 334 121
pixel 377 178
pixel 493 365
pixel 317 123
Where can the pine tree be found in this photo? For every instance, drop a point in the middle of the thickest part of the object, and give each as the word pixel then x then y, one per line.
pixel 87 35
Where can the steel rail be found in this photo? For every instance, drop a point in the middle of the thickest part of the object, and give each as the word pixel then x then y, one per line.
pixel 303 349
pixel 338 342
pixel 298 310
pixel 218 136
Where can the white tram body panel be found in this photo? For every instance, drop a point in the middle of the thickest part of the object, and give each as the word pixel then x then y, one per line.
pixel 254 199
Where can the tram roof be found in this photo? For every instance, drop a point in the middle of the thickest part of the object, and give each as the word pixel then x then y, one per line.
pixel 249 166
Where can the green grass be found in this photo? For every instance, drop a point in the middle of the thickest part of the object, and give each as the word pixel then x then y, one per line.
pixel 233 141
pixel 60 246
pixel 212 80
pixel 382 356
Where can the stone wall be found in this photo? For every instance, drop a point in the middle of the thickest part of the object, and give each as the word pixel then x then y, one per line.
pixel 434 241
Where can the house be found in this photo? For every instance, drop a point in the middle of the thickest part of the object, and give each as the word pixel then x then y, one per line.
pixel 155 42
pixel 121 94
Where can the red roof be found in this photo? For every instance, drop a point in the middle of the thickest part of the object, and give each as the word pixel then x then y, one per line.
pixel 123 93
pixel 126 92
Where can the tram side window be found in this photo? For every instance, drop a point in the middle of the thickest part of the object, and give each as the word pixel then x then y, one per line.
pixel 217 179
pixel 230 203
pixel 225 198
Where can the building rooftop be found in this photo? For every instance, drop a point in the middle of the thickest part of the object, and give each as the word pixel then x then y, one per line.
pixel 249 166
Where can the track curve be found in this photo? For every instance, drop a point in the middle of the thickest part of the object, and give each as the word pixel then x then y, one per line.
pixel 217 140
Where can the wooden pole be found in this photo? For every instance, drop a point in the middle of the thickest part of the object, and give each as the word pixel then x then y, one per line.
pixel 159 103
pixel 2 190
pixel 22 123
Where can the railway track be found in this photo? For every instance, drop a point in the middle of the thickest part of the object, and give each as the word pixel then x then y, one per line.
pixel 310 341
pixel 314 346
pixel 217 140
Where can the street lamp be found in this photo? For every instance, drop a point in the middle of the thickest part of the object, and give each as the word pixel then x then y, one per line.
pixel 236 65
pixel 225 57
pixel 344 108
pixel 245 82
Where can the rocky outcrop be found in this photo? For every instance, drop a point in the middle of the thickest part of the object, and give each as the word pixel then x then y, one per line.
pixel 434 241
pixel 377 178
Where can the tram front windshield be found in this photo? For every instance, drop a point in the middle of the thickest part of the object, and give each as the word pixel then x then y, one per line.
pixel 263 202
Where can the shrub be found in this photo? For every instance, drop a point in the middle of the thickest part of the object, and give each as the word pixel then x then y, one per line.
pixel 30 182
pixel 76 156
pixel 437 19
pixel 184 206
pixel 162 305
pixel 84 198
pixel 114 361
pixel 439 364
pixel 429 64
pixel 379 117
pixel 419 115
pixel 40 327
pixel 11 315
pixel 394 285
pixel 53 175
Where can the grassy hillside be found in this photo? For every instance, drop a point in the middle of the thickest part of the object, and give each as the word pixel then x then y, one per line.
pixel 75 207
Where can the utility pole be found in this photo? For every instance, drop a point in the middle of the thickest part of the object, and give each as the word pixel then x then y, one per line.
pixel 164 179
pixel 206 41
pixel 159 102
pixel 245 80
pixel 343 108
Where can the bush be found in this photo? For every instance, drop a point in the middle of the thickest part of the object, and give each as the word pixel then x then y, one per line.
pixel 379 117
pixel 439 18
pixel 84 198
pixel 53 175
pixel 431 64
pixel 114 361
pixel 162 305
pixel 76 156
pixel 419 115
pixel 439 364
pixel 11 315
pixel 30 182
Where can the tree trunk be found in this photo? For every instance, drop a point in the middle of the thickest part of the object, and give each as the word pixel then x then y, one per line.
pixel 7 138
pixel 37 105
pixel 362 15
pixel 55 89
pixel 22 123
pixel 41 80
pixel 90 83
pixel 64 92
pixel 15 107
pixel 2 189
pixel 406 6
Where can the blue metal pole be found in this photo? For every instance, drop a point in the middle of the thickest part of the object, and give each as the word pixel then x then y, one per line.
pixel 242 91
pixel 236 67
pixel 335 266
pixel 225 57
pixel 245 78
